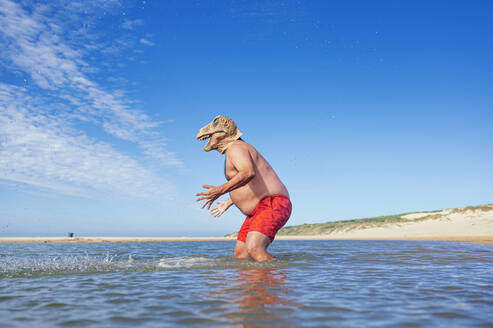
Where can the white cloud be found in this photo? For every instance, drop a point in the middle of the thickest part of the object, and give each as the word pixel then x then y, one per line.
pixel 39 142
pixel 130 24
pixel 147 42
pixel 38 148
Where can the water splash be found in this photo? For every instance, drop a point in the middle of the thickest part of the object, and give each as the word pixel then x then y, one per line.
pixel 16 267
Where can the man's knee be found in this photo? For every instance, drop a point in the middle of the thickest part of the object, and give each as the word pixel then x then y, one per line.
pixel 255 249
pixel 259 253
pixel 241 253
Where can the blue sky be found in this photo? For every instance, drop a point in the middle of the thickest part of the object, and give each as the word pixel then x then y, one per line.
pixel 363 109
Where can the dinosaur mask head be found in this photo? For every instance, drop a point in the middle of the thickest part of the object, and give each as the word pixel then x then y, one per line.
pixel 221 132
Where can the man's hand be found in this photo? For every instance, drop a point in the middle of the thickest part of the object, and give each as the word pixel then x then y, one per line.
pixel 222 206
pixel 211 195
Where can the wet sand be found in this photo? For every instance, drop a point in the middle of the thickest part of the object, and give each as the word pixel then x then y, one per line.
pixel 15 240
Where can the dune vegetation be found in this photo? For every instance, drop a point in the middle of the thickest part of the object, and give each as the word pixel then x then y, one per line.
pixel 373 222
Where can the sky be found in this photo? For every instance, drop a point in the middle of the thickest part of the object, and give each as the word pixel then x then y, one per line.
pixel 363 108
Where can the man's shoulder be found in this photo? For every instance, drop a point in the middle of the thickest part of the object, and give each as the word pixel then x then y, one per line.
pixel 239 146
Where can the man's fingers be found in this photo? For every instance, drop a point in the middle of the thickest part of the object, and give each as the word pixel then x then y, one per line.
pixel 216 212
pixel 204 197
pixel 209 202
pixel 210 199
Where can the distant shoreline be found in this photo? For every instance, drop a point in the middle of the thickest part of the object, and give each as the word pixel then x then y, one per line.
pixel 42 240
pixel 472 224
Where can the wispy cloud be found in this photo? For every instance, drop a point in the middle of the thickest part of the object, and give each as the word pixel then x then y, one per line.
pixel 40 143
pixel 130 24
pixel 147 42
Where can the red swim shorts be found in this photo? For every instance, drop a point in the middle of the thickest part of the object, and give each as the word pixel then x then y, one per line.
pixel 270 215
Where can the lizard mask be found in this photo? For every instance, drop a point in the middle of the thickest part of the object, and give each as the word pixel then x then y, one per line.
pixel 222 131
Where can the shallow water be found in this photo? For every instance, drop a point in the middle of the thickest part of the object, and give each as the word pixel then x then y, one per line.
pixel 315 283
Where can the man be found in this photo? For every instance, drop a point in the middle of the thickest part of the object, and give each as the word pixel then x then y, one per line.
pixel 253 187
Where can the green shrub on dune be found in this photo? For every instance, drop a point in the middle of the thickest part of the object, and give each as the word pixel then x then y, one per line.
pixel 373 222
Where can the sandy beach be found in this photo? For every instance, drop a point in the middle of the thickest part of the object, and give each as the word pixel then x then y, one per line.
pixel 18 240
pixel 26 240
pixel 470 224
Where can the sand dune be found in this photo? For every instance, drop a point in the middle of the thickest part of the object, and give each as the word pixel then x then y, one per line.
pixel 466 224
pixel 452 222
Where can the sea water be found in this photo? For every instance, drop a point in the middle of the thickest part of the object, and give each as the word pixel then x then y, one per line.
pixel 314 283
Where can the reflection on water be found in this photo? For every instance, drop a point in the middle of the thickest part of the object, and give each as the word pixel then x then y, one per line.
pixel 262 292
pixel 326 283
pixel 253 296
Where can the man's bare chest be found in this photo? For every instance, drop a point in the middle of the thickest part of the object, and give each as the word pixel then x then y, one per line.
pixel 229 170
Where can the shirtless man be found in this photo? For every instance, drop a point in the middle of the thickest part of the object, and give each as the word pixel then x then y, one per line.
pixel 253 187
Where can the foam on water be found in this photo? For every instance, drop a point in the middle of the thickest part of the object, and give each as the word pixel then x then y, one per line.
pixel 185 262
pixel 17 267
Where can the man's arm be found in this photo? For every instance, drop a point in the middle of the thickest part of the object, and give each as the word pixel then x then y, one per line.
pixel 242 161
pixel 240 157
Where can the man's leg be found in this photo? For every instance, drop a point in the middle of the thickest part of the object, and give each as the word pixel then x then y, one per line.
pixel 256 245
pixel 241 251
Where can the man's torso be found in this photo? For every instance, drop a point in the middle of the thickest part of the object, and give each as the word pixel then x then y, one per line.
pixel 264 184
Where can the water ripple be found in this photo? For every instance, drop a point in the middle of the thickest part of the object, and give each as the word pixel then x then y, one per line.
pixel 327 283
